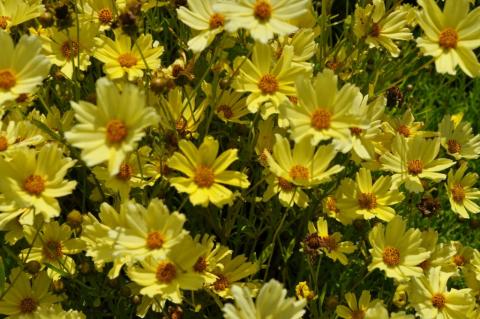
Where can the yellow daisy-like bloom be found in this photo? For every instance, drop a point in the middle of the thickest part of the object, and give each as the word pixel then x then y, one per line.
pixel 432 299
pixel 209 260
pixel 269 81
pixel 52 245
pixel 450 36
pixel 102 12
pixel 121 57
pixel 230 106
pixel 303 291
pixel 441 254
pixel 206 172
pixel 330 205
pixel 289 194
pixel 33 181
pixel 458 139
pixel 22 67
pixel 414 159
pixel 461 192
pixel 380 29
pixel 25 298
pixel 15 12
pixel 396 250
pixel 12 138
pixel 405 126
pixel 201 18
pixel 370 199
pixel 358 309
pixel 263 18
pixel 110 130
pixel 323 112
pixel 331 244
pixel 304 47
pixel 151 231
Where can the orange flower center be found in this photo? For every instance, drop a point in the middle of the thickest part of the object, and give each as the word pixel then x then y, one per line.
pixel 166 272
pixel 285 185
pixel 367 201
pixel 358 314
pixel 458 193
pixel 415 167
pixel 69 49
pixel 299 172
pixel 200 264
pixel 321 119
pixel 216 20
pixel 438 300
pixel 226 110
pixel 3 143
pixel 391 256
pixel 454 146
pixel 125 172
pixel 404 130
pixel 331 204
pixel 116 131
pixel 459 260
pixel 28 305
pixel 204 176
pixel 222 283
pixel 356 131
pixel 105 15
pixel 127 60
pixel 155 240
pixel 7 79
pixel 4 22
pixel 262 10
pixel 375 31
pixel 52 249
pixel 34 185
pixel 328 242
pixel 268 84
pixel 448 38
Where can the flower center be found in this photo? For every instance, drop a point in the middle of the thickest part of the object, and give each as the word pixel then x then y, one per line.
pixel 438 300
pixel 166 272
pixel 331 204
pixel 69 49
pixel 155 240
pixel 358 314
pixel 367 201
pixel 356 131
pixel 28 305
pixel 216 20
pixel 34 185
pixel 116 131
pixel 328 242
pixel 222 283
pixel 313 241
pixel 454 146
pixel 200 265
pixel 7 79
pixel 52 249
pixel 3 143
pixel 375 31
pixel 268 84
pixel 404 130
pixel 226 110
pixel 448 38
pixel 204 176
pixel 105 15
pixel 321 119
pixel 425 265
pixel 181 124
pixel 299 172
pixel 262 10
pixel 391 256
pixel 127 60
pixel 125 172
pixel 458 193
pixel 4 22
pixel 415 167
pixel 285 185
pixel 459 260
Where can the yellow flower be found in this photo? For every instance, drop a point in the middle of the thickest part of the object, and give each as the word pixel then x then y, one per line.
pixel 209 260
pixel 396 250
pixel 304 47
pixel 110 130
pixel 263 18
pixel 12 138
pixel 370 199
pixel 330 203
pixel 206 172
pixel 360 309
pixel 450 36
pixel 15 12
pixel 101 12
pixel 461 192
pixel 230 106
pixel 432 299
pixel 121 57
pixel 302 291
pixel 289 194
pixel 457 138
pixel 22 67
pixel 441 254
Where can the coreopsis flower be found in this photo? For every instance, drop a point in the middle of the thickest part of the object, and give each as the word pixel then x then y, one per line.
pixel 52 244
pixel 359 309
pixel 262 18
pixel 450 36
pixel 25 298
pixel 102 12
pixel 289 194
pixel 271 302
pixel 229 106
pixel 405 125
pixel 151 231
pixel 106 132
pixel 330 244
pixel 268 81
pixel 441 253
pixel 15 12
pixel 303 291
pixel 396 250
pixel 330 205
pixel 22 67
pixel 461 192
pixel 458 139
pixel 265 139
pixel 206 172
pixel 12 139
pixel 380 29
pixel 33 180
pixel 323 112
pixel 414 159
pixel 304 47
pixel 432 299
pixel 462 258
pixel 122 57
pixel 200 17
pixel 370 199
pixel 209 260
